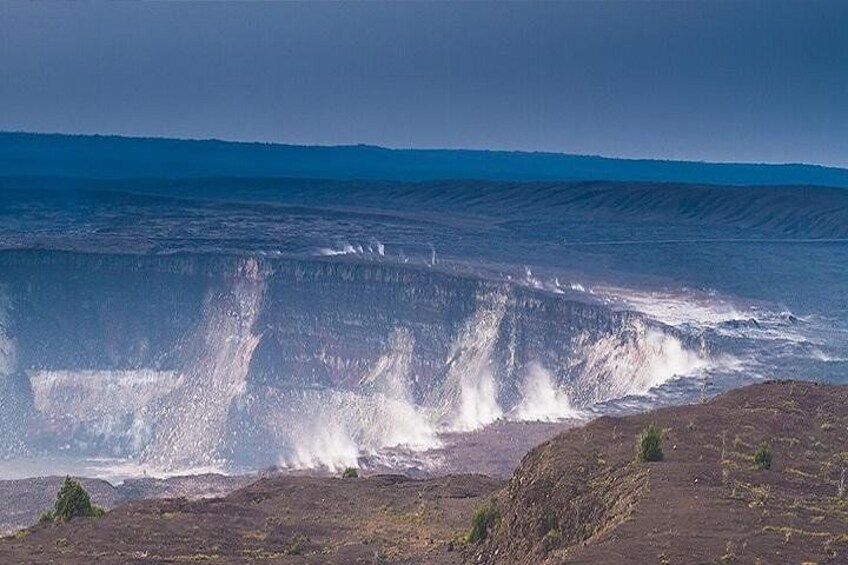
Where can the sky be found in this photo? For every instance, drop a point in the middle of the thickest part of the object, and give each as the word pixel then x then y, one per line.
pixel 714 81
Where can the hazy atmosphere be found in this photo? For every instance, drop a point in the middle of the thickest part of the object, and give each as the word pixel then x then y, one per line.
pixel 423 283
pixel 718 81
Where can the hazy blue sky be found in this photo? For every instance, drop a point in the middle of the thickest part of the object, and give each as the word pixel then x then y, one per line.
pixel 721 81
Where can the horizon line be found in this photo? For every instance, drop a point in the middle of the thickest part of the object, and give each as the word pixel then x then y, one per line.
pixel 421 148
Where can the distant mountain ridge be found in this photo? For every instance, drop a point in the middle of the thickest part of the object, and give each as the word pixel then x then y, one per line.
pixel 113 157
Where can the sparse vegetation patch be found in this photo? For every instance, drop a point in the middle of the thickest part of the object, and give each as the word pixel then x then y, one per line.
pixel 552 540
pixel 483 522
pixel 650 444
pixel 350 473
pixel 296 546
pixel 763 457
pixel 72 501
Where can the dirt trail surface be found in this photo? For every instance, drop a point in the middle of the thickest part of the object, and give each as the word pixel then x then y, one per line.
pixel 378 519
pixel 583 498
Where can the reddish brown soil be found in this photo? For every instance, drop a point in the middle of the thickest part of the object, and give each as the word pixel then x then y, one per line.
pixel 276 520
pixel 583 498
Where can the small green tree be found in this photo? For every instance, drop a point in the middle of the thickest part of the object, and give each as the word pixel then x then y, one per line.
pixel 650 444
pixel 483 522
pixel 350 473
pixel 73 501
pixel 46 516
pixel 763 457
pixel 295 546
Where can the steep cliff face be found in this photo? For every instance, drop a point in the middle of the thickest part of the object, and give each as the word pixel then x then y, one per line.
pixel 15 393
pixel 196 360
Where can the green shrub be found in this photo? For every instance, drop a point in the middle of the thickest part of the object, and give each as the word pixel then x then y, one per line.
pixel 650 444
pixel 350 473
pixel 763 457
pixel 552 540
pixel 296 547
pixel 46 516
pixel 483 522
pixel 73 501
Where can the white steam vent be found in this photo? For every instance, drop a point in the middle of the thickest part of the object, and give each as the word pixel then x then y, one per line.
pixel 542 400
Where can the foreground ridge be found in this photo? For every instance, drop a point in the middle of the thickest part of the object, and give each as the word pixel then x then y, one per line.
pixel 582 497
